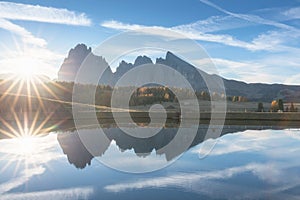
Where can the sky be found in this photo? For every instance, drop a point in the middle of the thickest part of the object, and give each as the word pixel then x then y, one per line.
pixel 251 41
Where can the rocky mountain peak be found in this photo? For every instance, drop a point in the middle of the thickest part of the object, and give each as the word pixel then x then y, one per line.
pixel 141 60
pixel 76 56
pixel 80 50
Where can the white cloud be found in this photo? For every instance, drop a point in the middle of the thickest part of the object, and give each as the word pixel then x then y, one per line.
pixel 18 11
pixel 32 50
pixel 251 18
pixel 247 71
pixel 26 36
pixel 202 29
pixel 216 23
pixel 193 31
pixel 292 13
pixel 187 32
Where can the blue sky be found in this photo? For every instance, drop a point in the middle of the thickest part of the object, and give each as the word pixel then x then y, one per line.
pixel 253 41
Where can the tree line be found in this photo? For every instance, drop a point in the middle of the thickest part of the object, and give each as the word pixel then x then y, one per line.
pixel 277 106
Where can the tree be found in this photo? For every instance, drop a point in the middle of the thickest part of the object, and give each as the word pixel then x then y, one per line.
pixel 280 105
pixel 274 106
pixel 292 107
pixel 286 109
pixel 260 107
pixel 235 98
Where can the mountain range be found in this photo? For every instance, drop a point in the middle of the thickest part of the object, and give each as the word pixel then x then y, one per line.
pixel 252 91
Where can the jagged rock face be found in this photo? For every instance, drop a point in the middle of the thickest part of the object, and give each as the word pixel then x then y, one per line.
pixel 192 74
pixel 141 60
pixel 72 63
pixel 122 69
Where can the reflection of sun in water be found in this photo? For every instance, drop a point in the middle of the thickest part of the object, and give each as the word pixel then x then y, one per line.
pixel 26 145
pixel 25 157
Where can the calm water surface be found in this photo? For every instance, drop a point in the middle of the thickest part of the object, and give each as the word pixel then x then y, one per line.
pixel 248 164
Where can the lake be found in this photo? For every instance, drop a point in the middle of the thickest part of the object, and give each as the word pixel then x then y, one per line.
pixel 245 163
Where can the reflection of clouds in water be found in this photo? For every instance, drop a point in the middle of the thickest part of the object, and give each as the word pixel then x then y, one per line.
pixel 64 194
pixel 186 179
pixel 276 173
pixel 212 185
pixel 30 157
pixel 272 143
pixel 21 179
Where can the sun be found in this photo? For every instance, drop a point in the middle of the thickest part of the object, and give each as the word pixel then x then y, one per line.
pixel 26 69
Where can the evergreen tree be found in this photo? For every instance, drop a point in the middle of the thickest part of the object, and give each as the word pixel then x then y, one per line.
pixel 280 105
pixel 260 107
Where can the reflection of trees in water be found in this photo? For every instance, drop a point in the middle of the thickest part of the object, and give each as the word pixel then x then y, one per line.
pixel 79 156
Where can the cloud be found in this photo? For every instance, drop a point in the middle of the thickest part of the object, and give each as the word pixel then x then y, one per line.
pixel 251 18
pixel 32 49
pixel 26 36
pixel 216 23
pixel 186 31
pixel 292 13
pixel 247 71
pixel 202 30
pixel 270 41
pixel 18 11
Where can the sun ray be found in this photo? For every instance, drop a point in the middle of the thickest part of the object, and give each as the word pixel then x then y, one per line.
pixel 59 86
pixel 37 130
pixel 39 97
pixel 5 123
pixel 18 94
pixel 8 90
pixel 34 121
pixel 8 163
pixel 2 131
pixel 47 88
pixel 50 128
pixel 29 95
pixel 8 79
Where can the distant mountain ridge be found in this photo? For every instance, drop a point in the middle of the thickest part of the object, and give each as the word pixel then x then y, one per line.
pixel 252 91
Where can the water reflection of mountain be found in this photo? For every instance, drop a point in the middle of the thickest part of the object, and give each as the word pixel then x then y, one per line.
pixel 78 154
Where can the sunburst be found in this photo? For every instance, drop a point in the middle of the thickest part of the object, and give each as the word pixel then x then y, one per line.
pixel 22 121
